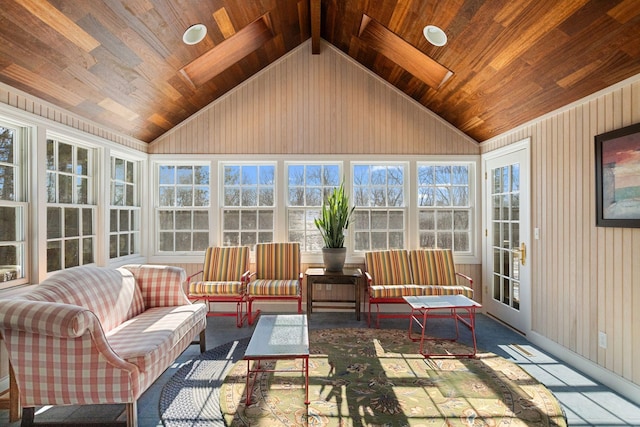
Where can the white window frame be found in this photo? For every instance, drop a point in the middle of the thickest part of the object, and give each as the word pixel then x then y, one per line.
pixel 91 205
pixel 450 208
pixel 134 211
pixel 404 208
pixel 280 211
pixel 472 256
pixel 18 273
pixel 310 231
pixel 157 208
pixel 222 207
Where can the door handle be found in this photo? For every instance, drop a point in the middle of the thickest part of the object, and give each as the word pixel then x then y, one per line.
pixel 522 252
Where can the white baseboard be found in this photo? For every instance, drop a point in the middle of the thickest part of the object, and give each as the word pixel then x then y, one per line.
pixel 612 380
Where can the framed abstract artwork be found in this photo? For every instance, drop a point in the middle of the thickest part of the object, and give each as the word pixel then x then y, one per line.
pixel 618 177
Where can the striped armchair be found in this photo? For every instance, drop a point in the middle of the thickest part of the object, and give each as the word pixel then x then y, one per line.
pixel 277 275
pixel 396 273
pixel 225 274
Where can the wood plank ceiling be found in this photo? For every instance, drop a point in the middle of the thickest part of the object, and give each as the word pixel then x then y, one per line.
pixel 122 63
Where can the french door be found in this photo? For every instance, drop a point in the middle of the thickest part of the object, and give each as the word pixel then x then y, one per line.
pixel 506 259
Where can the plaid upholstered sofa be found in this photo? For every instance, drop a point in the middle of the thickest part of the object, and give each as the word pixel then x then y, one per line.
pixel 393 274
pixel 92 335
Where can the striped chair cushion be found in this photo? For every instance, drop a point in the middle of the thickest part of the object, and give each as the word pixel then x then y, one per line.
pixel 277 261
pixel 225 264
pixel 394 291
pixel 261 287
pixel 389 291
pixel 388 267
pixel 446 290
pixel 413 290
pixel 433 267
pixel 203 289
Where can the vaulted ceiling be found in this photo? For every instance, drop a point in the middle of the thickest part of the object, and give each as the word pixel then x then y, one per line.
pixel 123 64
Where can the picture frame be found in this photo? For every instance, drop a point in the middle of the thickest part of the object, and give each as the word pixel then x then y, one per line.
pixel 618 177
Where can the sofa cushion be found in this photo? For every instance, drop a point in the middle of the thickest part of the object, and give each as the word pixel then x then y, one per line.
pixel 157 284
pixel 144 339
pixel 274 288
pixel 433 267
pixel 112 295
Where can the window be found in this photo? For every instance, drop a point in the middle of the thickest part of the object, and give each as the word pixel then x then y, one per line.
pixel 71 211
pixel 379 198
pixel 445 211
pixel 183 208
pixel 248 204
pixel 401 202
pixel 13 207
pixel 308 185
pixel 124 213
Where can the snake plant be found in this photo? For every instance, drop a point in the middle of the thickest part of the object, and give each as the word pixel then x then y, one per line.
pixel 335 217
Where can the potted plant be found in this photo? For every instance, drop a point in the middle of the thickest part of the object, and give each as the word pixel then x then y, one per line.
pixel 334 220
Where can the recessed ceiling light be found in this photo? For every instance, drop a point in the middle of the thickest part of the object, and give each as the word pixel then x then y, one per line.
pixel 435 35
pixel 194 34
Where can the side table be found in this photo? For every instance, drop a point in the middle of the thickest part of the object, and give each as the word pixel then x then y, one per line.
pixel 348 276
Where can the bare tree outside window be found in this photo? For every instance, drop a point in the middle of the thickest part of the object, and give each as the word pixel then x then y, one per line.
pixel 184 200
pixel 444 206
pixel 248 204
pixel 124 214
pixel 379 197
pixel 13 208
pixel 307 186
pixel 71 210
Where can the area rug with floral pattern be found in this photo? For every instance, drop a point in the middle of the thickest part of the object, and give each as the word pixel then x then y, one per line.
pixel 374 377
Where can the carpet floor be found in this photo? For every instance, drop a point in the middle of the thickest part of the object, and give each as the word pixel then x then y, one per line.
pixel 359 377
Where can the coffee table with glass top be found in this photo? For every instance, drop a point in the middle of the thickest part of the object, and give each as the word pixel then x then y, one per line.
pixel 278 337
pixel 456 307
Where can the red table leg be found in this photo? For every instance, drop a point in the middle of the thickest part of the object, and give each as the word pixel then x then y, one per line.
pixel 453 314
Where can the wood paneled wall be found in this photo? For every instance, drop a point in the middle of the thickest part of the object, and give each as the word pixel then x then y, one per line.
pixel 38 107
pixel 586 279
pixel 315 104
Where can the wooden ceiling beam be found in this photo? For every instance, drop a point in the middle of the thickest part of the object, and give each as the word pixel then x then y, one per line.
pixel 303 20
pixel 315 26
pixel 230 51
pixel 402 53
